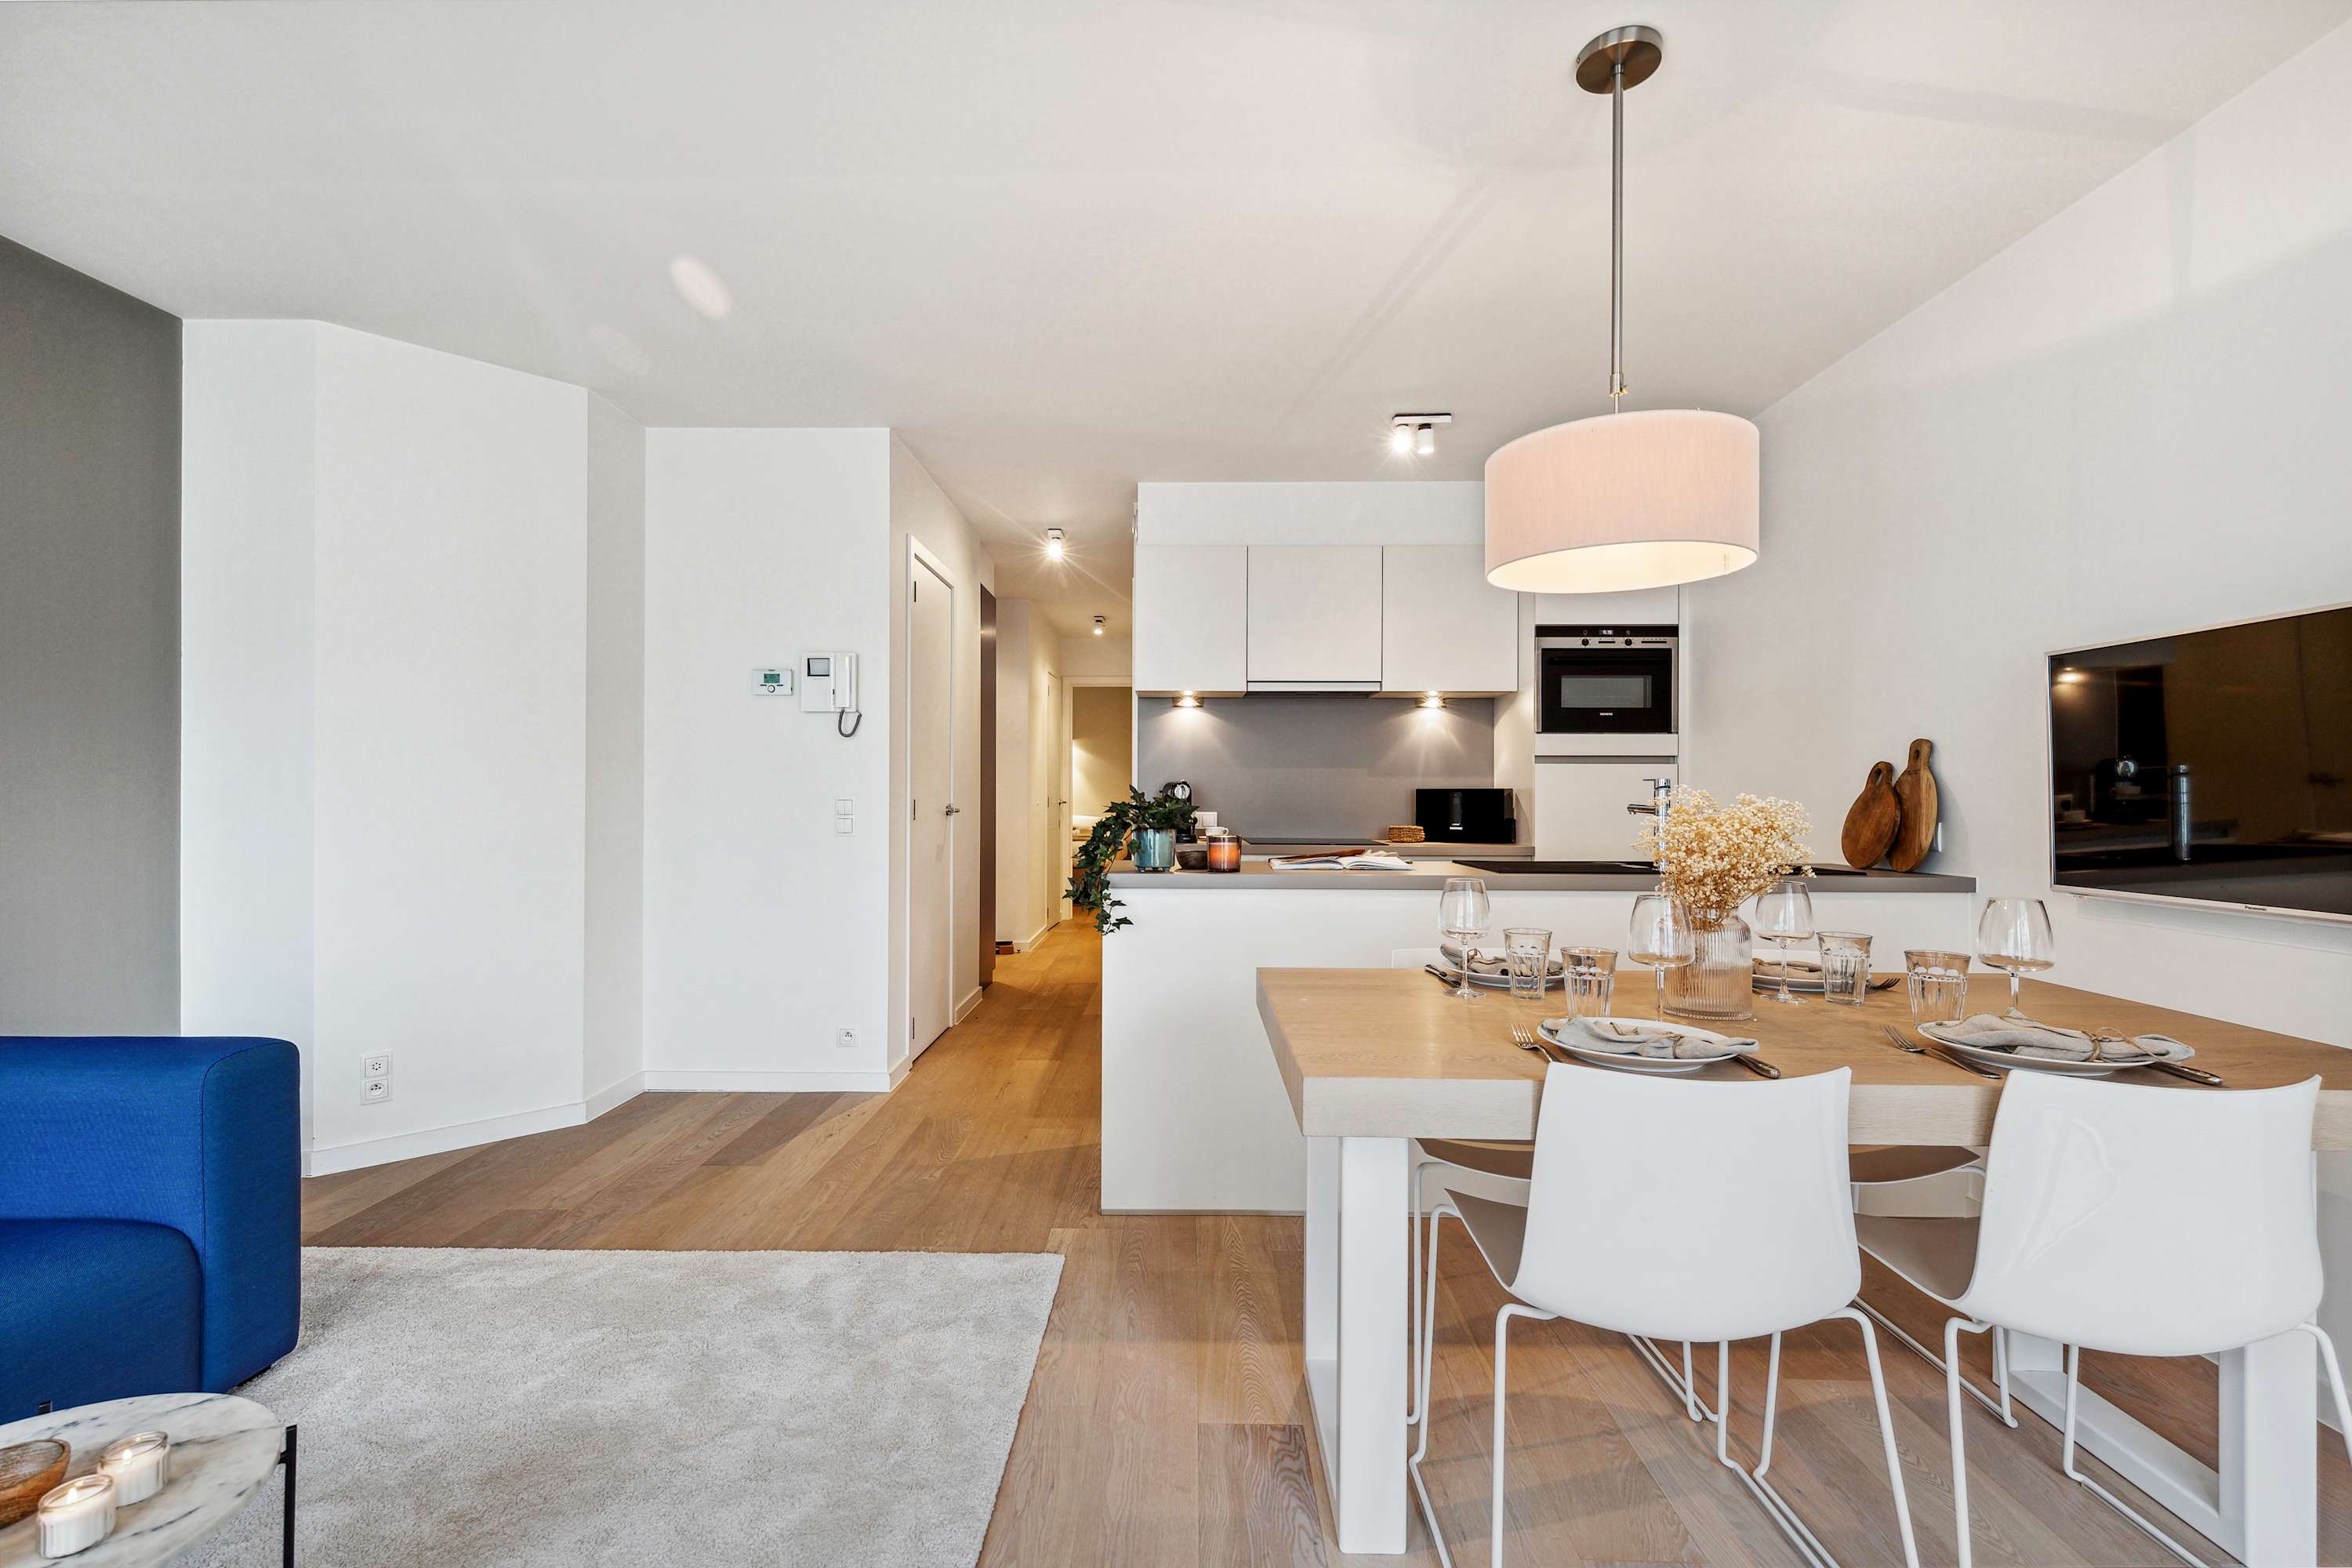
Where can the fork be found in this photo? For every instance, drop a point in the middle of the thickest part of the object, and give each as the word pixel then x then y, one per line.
pixel 1524 1038
pixel 1941 1056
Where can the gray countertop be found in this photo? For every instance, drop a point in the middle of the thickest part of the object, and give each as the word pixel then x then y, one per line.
pixel 1256 875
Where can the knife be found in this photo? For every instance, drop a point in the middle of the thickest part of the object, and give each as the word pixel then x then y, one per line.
pixel 1758 1066
pixel 1962 1062
pixel 2194 1075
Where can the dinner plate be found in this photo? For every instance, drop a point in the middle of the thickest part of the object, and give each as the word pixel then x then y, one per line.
pixel 1625 1063
pixel 1490 982
pixel 2008 1061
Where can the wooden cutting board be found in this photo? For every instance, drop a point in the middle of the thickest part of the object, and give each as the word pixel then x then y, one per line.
pixel 1872 821
pixel 1916 792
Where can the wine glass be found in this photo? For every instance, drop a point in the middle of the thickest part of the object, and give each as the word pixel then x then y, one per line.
pixel 1660 936
pixel 1463 914
pixel 2014 934
pixel 1782 916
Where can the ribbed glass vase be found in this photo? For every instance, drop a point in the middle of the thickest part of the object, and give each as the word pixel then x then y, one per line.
pixel 1715 984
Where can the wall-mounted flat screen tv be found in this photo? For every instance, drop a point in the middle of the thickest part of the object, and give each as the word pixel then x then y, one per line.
pixel 2213 766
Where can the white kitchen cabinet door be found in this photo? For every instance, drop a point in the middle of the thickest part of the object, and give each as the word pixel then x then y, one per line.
pixel 1443 627
pixel 1635 607
pixel 1580 807
pixel 1315 614
pixel 1192 618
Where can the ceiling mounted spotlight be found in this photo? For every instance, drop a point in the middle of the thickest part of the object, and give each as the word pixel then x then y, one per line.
pixel 1098 625
pixel 1431 699
pixel 1053 544
pixel 1188 699
pixel 1415 432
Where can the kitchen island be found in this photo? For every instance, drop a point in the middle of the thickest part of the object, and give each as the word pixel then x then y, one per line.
pixel 1194 1115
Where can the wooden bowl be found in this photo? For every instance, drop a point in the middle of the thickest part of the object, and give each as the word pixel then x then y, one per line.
pixel 26 1471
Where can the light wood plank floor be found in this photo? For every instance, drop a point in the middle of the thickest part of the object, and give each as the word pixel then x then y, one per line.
pixel 1167 1421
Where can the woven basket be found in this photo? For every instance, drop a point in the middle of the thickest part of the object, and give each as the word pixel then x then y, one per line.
pixel 1405 836
pixel 27 1471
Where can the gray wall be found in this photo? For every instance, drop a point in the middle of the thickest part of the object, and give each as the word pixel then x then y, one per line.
pixel 1294 766
pixel 89 655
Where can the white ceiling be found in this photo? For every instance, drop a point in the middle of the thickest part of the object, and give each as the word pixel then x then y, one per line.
pixel 1067 245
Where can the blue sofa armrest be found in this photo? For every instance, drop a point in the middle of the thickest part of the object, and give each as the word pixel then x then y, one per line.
pixel 200 1134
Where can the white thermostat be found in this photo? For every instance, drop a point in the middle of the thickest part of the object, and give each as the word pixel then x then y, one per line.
pixel 770 682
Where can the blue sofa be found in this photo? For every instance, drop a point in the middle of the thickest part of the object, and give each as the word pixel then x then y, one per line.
pixel 150 1215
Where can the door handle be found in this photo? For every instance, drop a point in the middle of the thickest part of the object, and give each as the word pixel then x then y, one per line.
pixel 949 811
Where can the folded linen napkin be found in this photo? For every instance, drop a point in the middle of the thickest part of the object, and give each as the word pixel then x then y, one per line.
pixel 1622 1038
pixel 1486 963
pixel 2015 1033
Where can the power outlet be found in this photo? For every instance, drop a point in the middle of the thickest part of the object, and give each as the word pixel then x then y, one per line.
pixel 845 1039
pixel 375 1077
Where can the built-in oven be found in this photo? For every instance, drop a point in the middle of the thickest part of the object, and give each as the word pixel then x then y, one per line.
pixel 1605 680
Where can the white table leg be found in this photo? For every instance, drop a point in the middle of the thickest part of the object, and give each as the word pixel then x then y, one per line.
pixel 2263 1507
pixel 1356 1299
pixel 2270 1462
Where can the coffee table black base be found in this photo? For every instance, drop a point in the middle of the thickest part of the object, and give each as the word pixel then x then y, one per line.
pixel 285 1458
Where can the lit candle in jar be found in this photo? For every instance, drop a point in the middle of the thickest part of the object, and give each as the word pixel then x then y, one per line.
pixel 76 1516
pixel 1225 850
pixel 140 1464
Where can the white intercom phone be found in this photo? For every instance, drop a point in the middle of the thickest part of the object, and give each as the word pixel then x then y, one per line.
pixel 829 685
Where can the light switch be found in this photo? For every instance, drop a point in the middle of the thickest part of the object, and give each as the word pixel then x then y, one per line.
pixel 845 824
pixel 843 806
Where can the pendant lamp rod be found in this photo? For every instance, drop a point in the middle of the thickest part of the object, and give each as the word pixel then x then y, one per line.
pixel 1616 234
pixel 1620 58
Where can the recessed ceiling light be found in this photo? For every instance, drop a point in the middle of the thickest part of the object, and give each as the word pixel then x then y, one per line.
pixel 1054 543
pixel 1188 699
pixel 1098 625
pixel 1431 699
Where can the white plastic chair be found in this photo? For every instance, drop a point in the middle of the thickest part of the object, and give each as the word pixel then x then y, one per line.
pixel 1504 1161
pixel 1895 1167
pixel 1681 1211
pixel 2120 1217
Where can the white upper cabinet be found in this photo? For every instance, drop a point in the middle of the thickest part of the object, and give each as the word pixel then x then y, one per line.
pixel 1635 607
pixel 1192 618
pixel 1315 616
pixel 1443 627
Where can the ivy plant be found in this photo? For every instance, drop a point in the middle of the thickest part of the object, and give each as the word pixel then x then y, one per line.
pixel 1090 876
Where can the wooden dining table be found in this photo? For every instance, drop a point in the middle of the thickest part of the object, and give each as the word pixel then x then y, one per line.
pixel 1373 1059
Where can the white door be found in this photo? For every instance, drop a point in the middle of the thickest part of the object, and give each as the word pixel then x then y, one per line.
pixel 931 780
pixel 1056 826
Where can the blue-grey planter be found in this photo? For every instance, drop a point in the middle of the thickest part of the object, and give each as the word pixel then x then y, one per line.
pixel 1155 848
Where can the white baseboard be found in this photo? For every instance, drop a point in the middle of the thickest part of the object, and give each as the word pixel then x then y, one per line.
pixel 1028 943
pixel 615 1094
pixel 964 1008
pixel 673 1081
pixel 367 1152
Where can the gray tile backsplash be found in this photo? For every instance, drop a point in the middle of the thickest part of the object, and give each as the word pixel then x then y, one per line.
pixel 1282 765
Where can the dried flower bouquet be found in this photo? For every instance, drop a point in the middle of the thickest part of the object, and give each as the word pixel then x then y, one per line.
pixel 1716 857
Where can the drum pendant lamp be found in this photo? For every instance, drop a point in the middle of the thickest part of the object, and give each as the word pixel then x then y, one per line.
pixel 1622 500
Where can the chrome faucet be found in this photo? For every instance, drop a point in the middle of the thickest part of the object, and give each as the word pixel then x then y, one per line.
pixel 1661 795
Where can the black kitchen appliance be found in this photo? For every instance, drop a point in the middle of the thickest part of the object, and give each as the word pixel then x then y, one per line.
pixel 1467 815
pixel 1605 680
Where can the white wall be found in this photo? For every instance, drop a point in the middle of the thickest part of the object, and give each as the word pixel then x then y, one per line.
pixel 764 930
pixel 1371 511
pixel 1085 656
pixel 417 758
pixel 1022 635
pixel 920 512
pixel 2130 422
pixel 614 1045
pixel 247 451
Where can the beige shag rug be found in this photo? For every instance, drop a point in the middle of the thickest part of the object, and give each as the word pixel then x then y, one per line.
pixel 462 1406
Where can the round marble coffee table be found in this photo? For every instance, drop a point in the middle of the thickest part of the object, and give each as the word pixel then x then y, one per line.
pixel 223 1450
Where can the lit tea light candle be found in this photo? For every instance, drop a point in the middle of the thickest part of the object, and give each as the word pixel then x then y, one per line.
pixel 76 1516
pixel 140 1464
